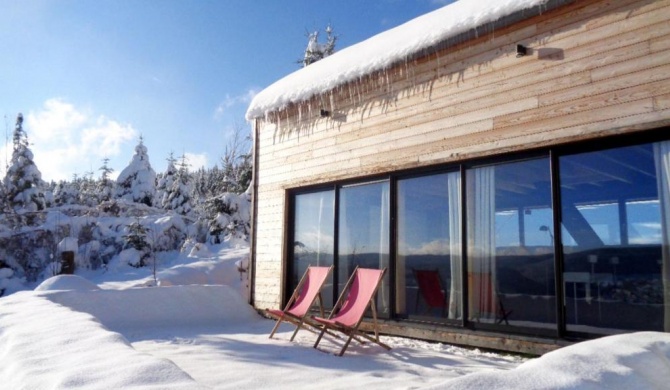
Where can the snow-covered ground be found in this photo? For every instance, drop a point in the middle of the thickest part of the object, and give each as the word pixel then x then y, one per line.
pixel 196 331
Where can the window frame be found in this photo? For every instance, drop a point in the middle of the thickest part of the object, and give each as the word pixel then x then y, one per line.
pixel 553 153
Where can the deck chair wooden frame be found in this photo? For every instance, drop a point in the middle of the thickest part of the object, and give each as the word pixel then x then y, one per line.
pixel 298 307
pixel 351 306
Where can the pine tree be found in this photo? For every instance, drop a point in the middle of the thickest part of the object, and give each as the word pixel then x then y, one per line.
pixel 316 51
pixel 24 189
pixel 179 195
pixel 105 185
pixel 137 238
pixel 137 182
pixel 165 181
pixel 88 191
pixel 237 164
pixel 2 198
pixel 66 193
pixel 199 190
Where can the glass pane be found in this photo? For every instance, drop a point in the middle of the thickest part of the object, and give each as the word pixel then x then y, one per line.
pixel 313 238
pixel 604 219
pixel 644 225
pixel 364 234
pixel 510 245
pixel 507 228
pixel 428 280
pixel 613 257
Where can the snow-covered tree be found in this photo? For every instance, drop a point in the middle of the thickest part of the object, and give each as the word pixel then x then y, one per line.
pixel 88 190
pixel 2 198
pixel 24 189
pixel 137 182
pixel 105 185
pixel 316 51
pixel 165 181
pixel 229 216
pixel 237 164
pixel 205 203
pixel 137 238
pixel 179 195
pixel 200 189
pixel 66 193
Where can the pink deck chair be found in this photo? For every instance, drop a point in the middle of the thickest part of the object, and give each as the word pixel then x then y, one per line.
pixel 306 292
pixel 347 315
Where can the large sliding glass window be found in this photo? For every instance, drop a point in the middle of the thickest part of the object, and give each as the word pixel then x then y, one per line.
pixel 313 228
pixel 510 245
pixel 363 234
pixel 614 206
pixel 614 231
pixel 428 260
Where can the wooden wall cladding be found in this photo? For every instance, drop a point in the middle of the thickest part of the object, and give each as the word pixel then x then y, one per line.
pixel 594 68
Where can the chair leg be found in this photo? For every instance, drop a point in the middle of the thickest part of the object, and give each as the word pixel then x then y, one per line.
pixel 318 339
pixel 297 328
pixel 279 320
pixel 346 345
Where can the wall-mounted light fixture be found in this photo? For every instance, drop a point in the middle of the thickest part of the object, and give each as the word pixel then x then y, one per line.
pixel 325 113
pixel 521 50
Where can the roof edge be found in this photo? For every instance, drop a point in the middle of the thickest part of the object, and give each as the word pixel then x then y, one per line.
pixel 448 26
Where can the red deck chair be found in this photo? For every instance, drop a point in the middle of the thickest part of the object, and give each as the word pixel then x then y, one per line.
pixel 347 315
pixel 431 290
pixel 306 292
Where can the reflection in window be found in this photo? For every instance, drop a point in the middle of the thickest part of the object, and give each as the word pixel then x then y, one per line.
pixel 313 237
pixel 428 265
pixel 611 209
pixel 644 226
pixel 604 219
pixel 364 234
pixel 510 245
pixel 507 228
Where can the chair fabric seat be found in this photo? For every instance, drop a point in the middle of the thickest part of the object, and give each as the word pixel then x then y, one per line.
pixel 305 294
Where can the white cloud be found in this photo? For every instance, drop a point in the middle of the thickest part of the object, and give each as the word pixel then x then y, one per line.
pixel 231 101
pixel 55 122
pixel 436 247
pixel 67 140
pixel 196 161
pixel 105 137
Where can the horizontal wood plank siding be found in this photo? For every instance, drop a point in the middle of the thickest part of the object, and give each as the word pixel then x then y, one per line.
pixel 595 68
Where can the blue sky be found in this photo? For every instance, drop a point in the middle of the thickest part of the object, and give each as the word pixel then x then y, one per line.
pixel 91 76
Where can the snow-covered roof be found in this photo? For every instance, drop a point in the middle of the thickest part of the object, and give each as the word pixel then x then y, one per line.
pixel 382 51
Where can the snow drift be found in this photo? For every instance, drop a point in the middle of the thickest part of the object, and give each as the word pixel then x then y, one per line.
pixel 180 306
pixel 48 355
pixel 629 361
pixel 192 336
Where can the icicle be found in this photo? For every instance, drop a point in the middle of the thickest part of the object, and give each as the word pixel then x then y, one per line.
pixel 406 69
pixel 358 91
pixel 332 102
pixel 387 80
pixel 279 123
